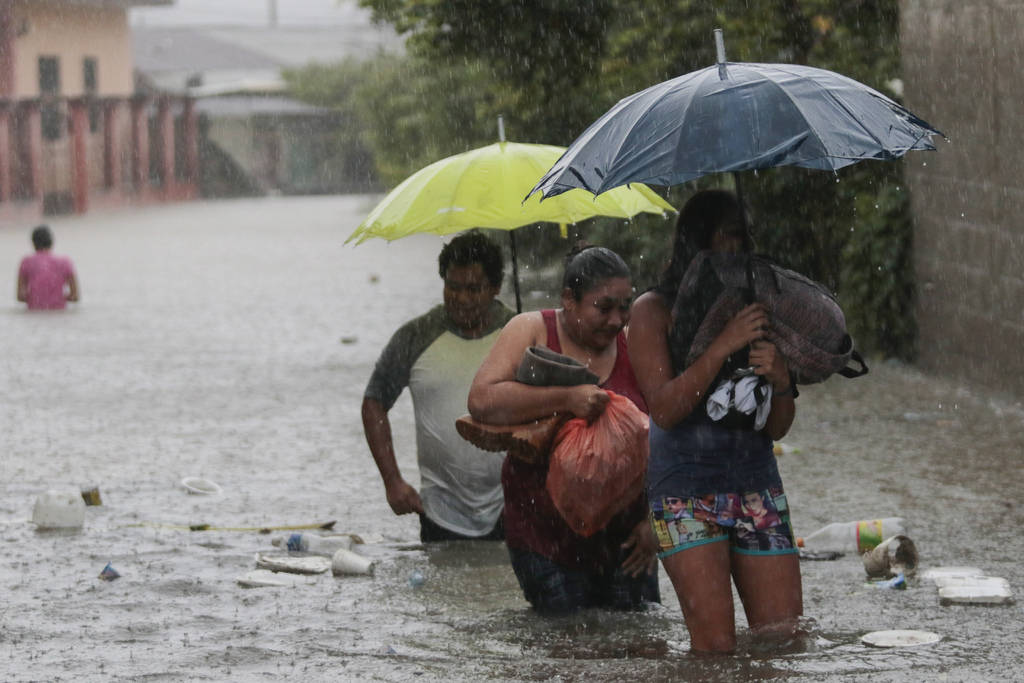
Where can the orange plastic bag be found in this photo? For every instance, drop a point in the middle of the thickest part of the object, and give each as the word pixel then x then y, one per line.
pixel 597 470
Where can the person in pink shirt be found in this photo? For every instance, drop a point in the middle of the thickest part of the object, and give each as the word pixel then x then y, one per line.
pixel 46 281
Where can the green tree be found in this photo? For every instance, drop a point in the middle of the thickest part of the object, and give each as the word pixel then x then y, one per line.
pixel 551 67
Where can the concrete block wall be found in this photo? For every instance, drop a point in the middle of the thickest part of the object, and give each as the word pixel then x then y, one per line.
pixel 963 72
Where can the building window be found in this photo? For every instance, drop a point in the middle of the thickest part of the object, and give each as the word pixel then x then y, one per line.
pixel 90 80
pixel 49 89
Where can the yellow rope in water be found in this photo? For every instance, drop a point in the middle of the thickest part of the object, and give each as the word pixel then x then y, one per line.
pixel 207 527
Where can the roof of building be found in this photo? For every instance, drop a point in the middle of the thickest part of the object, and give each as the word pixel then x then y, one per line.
pixel 119 3
pixel 229 106
pixel 174 58
pixel 182 49
pixel 252 13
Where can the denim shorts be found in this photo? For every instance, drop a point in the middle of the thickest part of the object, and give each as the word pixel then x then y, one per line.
pixel 696 458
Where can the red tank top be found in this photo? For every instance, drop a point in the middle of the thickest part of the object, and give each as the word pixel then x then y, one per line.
pixel 532 522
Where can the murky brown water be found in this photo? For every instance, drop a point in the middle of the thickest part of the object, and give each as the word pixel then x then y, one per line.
pixel 209 342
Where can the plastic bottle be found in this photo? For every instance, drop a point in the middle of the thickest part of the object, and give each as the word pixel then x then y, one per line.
pixel 416 579
pixel 860 536
pixel 313 544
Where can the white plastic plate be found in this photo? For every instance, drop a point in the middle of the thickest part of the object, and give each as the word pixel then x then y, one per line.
pixel 900 638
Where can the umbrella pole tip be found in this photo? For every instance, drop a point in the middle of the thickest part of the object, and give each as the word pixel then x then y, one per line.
pixel 501 129
pixel 719 46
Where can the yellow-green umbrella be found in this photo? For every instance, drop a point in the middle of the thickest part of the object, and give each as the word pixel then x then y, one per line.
pixel 485 188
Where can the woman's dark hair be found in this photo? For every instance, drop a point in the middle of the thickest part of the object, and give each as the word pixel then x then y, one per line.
pixel 587 265
pixel 42 238
pixel 700 217
pixel 474 247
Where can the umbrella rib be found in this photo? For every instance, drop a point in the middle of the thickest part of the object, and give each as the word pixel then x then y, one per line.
pixel 644 112
pixel 796 105
pixel 698 81
pixel 842 105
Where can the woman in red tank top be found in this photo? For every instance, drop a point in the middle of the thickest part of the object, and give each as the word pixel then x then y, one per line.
pixel 559 571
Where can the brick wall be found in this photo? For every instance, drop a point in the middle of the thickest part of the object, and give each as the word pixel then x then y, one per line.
pixel 963 71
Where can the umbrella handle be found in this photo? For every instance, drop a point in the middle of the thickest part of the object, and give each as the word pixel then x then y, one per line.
pixel 515 271
pixel 748 244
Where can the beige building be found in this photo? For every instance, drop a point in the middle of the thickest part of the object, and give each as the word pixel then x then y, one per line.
pixel 71 133
pixel 88 43
pixel 962 68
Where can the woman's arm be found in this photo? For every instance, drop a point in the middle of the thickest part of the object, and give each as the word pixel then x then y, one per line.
pixel 669 398
pixel 72 294
pixel 768 361
pixel 497 398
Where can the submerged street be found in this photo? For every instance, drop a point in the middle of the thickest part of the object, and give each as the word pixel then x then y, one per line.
pixel 232 340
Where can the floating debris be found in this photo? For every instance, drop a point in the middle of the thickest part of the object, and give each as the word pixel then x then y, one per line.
pixel 109 573
pixel 261 578
pixel 991 593
pixel 896 583
pixel 900 638
pixel 312 564
pixel 896 555
pixel 934 573
pixel 201 486
pixel 348 562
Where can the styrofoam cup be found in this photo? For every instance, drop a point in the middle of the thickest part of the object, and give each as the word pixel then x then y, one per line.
pixel 59 509
pixel 347 562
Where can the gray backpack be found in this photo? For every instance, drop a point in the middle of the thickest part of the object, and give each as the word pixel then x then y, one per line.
pixel 807 325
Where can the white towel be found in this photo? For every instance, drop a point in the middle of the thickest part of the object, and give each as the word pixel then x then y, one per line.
pixel 739 394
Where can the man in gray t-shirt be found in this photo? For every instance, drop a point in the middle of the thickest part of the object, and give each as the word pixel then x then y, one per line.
pixel 437 355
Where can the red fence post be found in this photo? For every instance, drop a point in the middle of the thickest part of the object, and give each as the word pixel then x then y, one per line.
pixel 78 129
pixel 140 142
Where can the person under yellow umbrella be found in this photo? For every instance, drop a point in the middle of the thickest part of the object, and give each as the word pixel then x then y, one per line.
pixel 485 188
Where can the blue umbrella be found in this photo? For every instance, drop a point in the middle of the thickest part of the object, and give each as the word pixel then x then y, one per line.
pixel 735 117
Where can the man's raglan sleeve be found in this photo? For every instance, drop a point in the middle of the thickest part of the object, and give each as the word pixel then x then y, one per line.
pixel 391 374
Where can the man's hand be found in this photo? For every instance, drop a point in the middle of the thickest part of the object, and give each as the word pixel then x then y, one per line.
pixel 643 558
pixel 403 498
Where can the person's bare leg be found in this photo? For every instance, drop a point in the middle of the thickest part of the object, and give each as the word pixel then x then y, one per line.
pixel 771 592
pixel 701 577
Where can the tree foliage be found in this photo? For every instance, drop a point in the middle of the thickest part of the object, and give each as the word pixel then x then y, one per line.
pixel 551 67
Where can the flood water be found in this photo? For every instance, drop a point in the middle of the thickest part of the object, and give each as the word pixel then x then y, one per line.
pixel 233 341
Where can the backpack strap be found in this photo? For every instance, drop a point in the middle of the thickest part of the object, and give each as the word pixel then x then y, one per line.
pixel 850 373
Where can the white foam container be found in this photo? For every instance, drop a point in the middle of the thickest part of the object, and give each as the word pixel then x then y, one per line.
pixel 310 564
pixel 994 582
pixel 260 578
pixel 59 509
pixel 935 572
pixel 975 595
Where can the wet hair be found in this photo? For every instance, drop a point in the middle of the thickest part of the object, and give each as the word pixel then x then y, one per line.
pixel 702 214
pixel 470 248
pixel 42 238
pixel 586 266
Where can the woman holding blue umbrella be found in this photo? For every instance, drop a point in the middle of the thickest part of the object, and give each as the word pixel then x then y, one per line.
pixel 703 474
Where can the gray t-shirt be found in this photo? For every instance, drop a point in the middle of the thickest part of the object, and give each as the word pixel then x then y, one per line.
pixel 461 484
